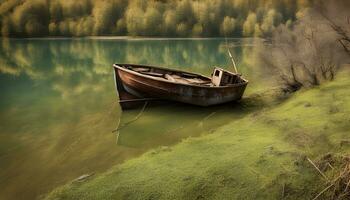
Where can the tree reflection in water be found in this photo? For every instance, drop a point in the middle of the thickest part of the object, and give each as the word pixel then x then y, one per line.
pixel 58 106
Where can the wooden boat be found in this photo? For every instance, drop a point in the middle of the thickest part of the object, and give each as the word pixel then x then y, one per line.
pixel 139 83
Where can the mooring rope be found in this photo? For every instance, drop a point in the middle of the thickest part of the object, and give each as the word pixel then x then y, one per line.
pixel 119 127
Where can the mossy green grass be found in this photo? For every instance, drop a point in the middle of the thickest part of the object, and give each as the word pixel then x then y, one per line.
pixel 260 156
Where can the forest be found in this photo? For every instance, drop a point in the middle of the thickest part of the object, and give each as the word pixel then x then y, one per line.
pixel 153 18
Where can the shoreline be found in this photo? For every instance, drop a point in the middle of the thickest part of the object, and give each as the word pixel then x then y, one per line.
pixel 260 156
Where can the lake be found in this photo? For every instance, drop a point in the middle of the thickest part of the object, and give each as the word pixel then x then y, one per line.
pixel 58 105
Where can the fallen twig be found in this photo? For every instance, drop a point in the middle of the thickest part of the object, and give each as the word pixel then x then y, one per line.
pixel 333 182
pixel 313 164
pixel 329 164
pixel 83 177
pixel 324 190
pixel 347 186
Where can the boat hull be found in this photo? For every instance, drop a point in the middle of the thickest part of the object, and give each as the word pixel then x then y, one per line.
pixel 143 87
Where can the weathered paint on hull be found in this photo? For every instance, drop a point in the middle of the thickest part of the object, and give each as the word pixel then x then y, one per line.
pixel 144 87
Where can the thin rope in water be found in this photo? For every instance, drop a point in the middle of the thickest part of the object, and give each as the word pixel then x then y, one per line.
pixel 119 127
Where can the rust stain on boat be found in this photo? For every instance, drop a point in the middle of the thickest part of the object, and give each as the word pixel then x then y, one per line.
pixel 138 83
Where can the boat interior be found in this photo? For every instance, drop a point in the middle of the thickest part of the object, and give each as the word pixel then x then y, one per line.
pixel 219 77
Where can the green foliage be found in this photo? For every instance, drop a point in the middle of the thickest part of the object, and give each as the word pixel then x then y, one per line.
pixel 183 18
pixel 30 18
pixel 169 26
pixel 228 26
pixel 134 21
pixel 152 21
pixel 249 25
pixel 197 30
pixel 270 21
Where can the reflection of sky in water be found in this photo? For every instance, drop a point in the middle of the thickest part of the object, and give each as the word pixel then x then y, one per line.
pixel 58 106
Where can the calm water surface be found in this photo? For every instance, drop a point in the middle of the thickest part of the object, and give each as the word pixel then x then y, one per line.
pixel 58 106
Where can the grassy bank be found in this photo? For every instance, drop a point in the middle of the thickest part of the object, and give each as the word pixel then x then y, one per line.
pixel 261 156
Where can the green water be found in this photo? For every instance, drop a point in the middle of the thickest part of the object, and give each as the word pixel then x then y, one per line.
pixel 58 106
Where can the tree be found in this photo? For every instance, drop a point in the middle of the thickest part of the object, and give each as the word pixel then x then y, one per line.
pixel 6 27
pixel 197 30
pixel 249 25
pixel 311 52
pixel 170 21
pixel 152 21
pixel 338 18
pixel 134 21
pixel 228 26
pixel 182 29
pixel 209 18
pixel 270 21
pixel 31 18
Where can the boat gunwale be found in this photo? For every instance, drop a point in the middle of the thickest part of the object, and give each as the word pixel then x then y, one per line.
pixel 117 66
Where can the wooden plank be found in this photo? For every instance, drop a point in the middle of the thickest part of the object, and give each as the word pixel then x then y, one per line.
pixel 152 74
pixel 136 100
pixel 170 78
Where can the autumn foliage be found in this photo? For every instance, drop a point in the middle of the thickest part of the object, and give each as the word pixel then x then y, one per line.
pixel 181 18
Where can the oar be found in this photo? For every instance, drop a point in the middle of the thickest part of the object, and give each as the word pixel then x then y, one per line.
pixel 232 60
pixel 229 53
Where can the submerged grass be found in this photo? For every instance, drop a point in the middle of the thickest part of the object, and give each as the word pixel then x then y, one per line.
pixel 261 156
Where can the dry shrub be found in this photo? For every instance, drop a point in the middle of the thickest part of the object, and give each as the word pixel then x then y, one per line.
pixel 313 50
pixel 339 184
